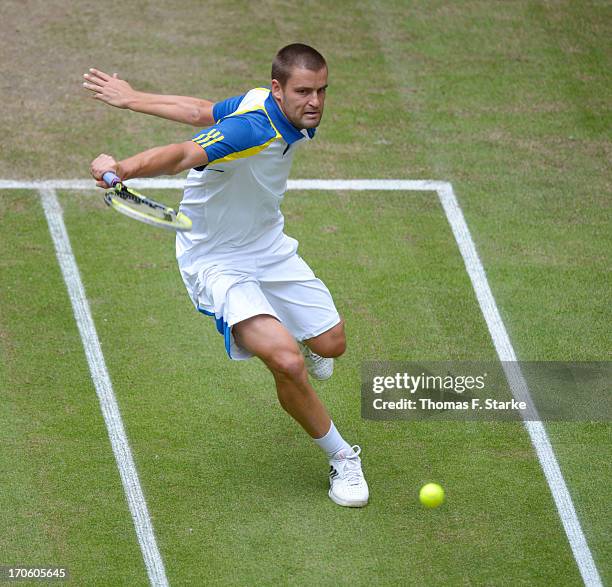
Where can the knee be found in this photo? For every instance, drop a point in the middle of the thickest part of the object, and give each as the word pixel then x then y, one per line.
pixel 337 341
pixel 332 346
pixel 337 346
pixel 287 363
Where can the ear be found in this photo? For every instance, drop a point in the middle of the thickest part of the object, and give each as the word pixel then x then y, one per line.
pixel 277 90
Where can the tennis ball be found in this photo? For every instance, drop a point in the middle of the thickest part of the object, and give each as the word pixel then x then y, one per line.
pixel 431 495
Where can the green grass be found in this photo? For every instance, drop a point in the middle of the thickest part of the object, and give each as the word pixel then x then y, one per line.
pixel 61 501
pixel 506 101
pixel 222 497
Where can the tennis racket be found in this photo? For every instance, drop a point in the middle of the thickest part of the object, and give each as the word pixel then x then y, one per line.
pixel 133 204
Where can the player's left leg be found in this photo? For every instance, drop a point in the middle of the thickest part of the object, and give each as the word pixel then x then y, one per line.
pixel 305 305
pixel 331 343
pixel 319 351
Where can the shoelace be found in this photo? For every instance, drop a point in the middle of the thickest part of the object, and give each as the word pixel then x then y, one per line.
pixel 311 355
pixel 352 467
pixel 316 358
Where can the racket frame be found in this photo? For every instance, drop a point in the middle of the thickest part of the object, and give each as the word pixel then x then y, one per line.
pixel 120 193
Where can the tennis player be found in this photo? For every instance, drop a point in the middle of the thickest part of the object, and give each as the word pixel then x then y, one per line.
pixel 238 265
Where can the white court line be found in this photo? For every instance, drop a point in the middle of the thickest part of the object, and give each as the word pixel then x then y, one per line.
pixel 418 185
pixel 104 390
pixel 488 306
pixel 520 390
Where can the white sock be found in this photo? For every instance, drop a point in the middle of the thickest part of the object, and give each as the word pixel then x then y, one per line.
pixel 332 442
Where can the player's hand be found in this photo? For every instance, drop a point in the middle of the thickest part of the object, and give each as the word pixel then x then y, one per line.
pixel 109 89
pixel 99 166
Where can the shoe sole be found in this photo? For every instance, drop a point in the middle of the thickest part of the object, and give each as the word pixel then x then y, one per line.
pixel 320 378
pixel 348 504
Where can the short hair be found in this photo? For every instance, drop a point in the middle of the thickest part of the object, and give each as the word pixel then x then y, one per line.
pixel 296 55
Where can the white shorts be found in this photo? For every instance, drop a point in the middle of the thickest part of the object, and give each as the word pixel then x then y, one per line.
pixel 232 291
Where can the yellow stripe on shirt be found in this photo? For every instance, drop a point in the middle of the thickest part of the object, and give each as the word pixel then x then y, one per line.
pixel 210 142
pixel 246 153
pixel 210 135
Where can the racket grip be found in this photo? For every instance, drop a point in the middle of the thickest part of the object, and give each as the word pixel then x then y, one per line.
pixel 110 178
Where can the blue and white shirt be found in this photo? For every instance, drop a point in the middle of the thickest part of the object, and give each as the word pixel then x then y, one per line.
pixel 234 200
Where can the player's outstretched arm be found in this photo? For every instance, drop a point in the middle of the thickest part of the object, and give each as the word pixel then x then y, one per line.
pixel 166 160
pixel 119 93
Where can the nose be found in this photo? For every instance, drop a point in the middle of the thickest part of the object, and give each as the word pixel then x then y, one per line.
pixel 314 100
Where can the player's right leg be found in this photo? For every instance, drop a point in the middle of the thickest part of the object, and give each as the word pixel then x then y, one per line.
pixel 268 339
pixel 250 326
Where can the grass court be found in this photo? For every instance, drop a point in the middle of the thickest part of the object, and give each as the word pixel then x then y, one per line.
pixel 508 101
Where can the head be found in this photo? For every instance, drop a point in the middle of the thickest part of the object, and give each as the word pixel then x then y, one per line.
pixel 299 81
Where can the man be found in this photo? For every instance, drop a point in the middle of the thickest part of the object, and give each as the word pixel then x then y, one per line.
pixel 237 264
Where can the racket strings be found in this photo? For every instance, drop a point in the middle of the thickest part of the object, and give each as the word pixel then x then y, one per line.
pixel 133 204
pixel 159 210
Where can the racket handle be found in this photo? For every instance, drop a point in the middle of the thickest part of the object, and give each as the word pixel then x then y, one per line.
pixel 110 178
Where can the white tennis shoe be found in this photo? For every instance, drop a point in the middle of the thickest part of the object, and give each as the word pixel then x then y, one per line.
pixel 347 485
pixel 320 368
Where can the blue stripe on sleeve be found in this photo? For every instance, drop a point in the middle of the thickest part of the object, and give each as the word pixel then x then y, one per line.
pixel 226 107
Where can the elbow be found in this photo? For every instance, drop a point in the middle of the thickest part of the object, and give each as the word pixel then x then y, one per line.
pixel 204 114
pixel 180 166
pixel 195 116
pixel 190 155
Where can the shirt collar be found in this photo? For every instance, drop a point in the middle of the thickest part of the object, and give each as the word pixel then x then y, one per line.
pixel 289 133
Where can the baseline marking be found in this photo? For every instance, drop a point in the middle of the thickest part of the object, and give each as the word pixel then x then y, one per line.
pixel 104 389
pixel 501 340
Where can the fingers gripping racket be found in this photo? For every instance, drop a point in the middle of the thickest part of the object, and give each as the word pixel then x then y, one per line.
pixel 133 204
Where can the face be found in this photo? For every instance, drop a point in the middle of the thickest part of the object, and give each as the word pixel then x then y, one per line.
pixel 303 96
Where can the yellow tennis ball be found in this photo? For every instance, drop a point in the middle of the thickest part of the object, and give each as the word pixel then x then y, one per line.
pixel 431 495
